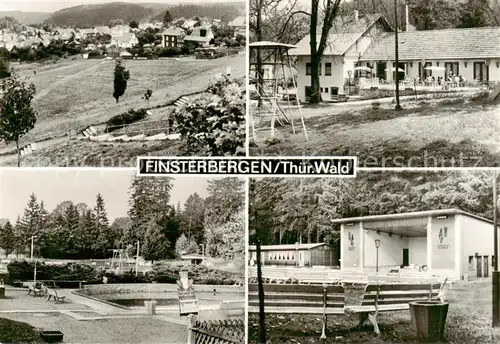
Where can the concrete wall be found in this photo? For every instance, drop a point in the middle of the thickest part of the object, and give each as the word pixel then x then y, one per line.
pixel 418 250
pixel 390 251
pixel 326 81
pixel 104 289
pixel 477 237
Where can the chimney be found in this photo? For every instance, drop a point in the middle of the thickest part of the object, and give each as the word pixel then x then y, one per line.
pixel 407 17
pixel 356 15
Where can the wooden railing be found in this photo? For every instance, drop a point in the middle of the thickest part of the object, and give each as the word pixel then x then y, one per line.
pixel 215 332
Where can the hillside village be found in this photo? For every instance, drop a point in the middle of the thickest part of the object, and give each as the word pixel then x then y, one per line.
pixel 170 37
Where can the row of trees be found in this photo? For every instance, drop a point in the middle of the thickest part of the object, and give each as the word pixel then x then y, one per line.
pixel 78 231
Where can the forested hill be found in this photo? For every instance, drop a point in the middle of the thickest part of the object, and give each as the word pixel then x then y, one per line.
pixel 86 16
pixel 305 207
pixel 226 11
pixel 26 18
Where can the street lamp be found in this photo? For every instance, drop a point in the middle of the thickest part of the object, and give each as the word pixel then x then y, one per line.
pixel 297 253
pixel 377 245
pixel 202 252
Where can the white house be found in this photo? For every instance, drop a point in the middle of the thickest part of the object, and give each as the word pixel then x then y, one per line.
pixel 126 40
pixel 190 24
pixel 348 40
pixel 449 243
pixel 102 30
pixel 472 53
pixel 201 36
pixel 172 37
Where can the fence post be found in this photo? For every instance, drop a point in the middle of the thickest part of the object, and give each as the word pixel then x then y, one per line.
pixel 191 338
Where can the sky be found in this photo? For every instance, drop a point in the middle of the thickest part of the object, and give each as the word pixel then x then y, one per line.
pixel 55 186
pixel 53 5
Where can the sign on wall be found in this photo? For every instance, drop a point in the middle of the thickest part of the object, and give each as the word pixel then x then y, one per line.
pixel 443 239
pixel 352 244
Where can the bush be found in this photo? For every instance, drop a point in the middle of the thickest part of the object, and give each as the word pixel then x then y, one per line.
pixel 127 277
pixel 129 117
pixel 24 271
pixel 214 122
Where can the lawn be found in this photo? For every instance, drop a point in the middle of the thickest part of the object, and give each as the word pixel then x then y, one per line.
pixel 468 322
pixel 18 332
pixel 72 94
pixel 441 133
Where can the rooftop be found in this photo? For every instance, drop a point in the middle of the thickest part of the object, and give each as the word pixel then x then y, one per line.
pixel 476 43
pixel 286 247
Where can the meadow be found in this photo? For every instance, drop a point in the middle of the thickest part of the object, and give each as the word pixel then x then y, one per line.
pixel 75 93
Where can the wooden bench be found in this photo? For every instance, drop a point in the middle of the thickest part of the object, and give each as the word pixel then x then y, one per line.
pixel 36 291
pixel 392 297
pixel 52 293
pixel 298 299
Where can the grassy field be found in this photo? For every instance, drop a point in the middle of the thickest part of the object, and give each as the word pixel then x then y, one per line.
pixel 468 322
pixel 72 94
pixel 97 154
pixel 442 133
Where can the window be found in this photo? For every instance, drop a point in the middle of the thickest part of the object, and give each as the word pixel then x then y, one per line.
pixel 203 32
pixel 308 91
pixel 308 68
pixel 321 89
pixel 326 89
pixel 471 263
pixel 328 68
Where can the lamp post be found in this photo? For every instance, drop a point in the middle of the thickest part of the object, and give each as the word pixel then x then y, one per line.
pixel 297 253
pixel 32 246
pixel 377 245
pixel 137 259
pixel 202 252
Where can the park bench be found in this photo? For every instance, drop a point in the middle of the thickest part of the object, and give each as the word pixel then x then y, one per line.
pixel 392 297
pixel 298 299
pixel 37 291
pixel 52 293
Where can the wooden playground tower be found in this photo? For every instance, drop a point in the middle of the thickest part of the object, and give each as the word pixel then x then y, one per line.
pixel 120 262
pixel 275 60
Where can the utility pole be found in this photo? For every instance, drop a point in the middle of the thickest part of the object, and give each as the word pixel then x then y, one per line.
pixel 398 106
pixel 137 260
pixel 32 245
pixel 496 273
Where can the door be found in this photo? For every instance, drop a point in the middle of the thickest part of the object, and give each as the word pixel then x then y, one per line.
pixel 301 258
pixel 479 265
pixel 381 66
pixel 406 257
pixel 451 67
pixel 485 266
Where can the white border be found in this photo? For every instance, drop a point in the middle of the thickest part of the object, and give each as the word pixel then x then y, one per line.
pixel 305 159
pixel 247 79
pixel 246 255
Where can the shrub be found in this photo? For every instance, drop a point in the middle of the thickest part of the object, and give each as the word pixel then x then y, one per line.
pixel 24 271
pixel 132 116
pixel 214 122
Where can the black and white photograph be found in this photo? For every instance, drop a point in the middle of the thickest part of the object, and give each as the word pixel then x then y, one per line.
pixel 104 256
pixel 398 83
pixel 387 257
pixel 100 82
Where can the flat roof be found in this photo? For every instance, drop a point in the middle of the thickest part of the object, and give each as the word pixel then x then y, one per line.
pixel 286 247
pixel 408 215
pixel 192 256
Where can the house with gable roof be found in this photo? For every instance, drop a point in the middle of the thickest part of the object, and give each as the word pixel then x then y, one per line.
pixel 348 40
pixel 173 37
pixel 472 53
pixel 126 40
pixel 202 36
